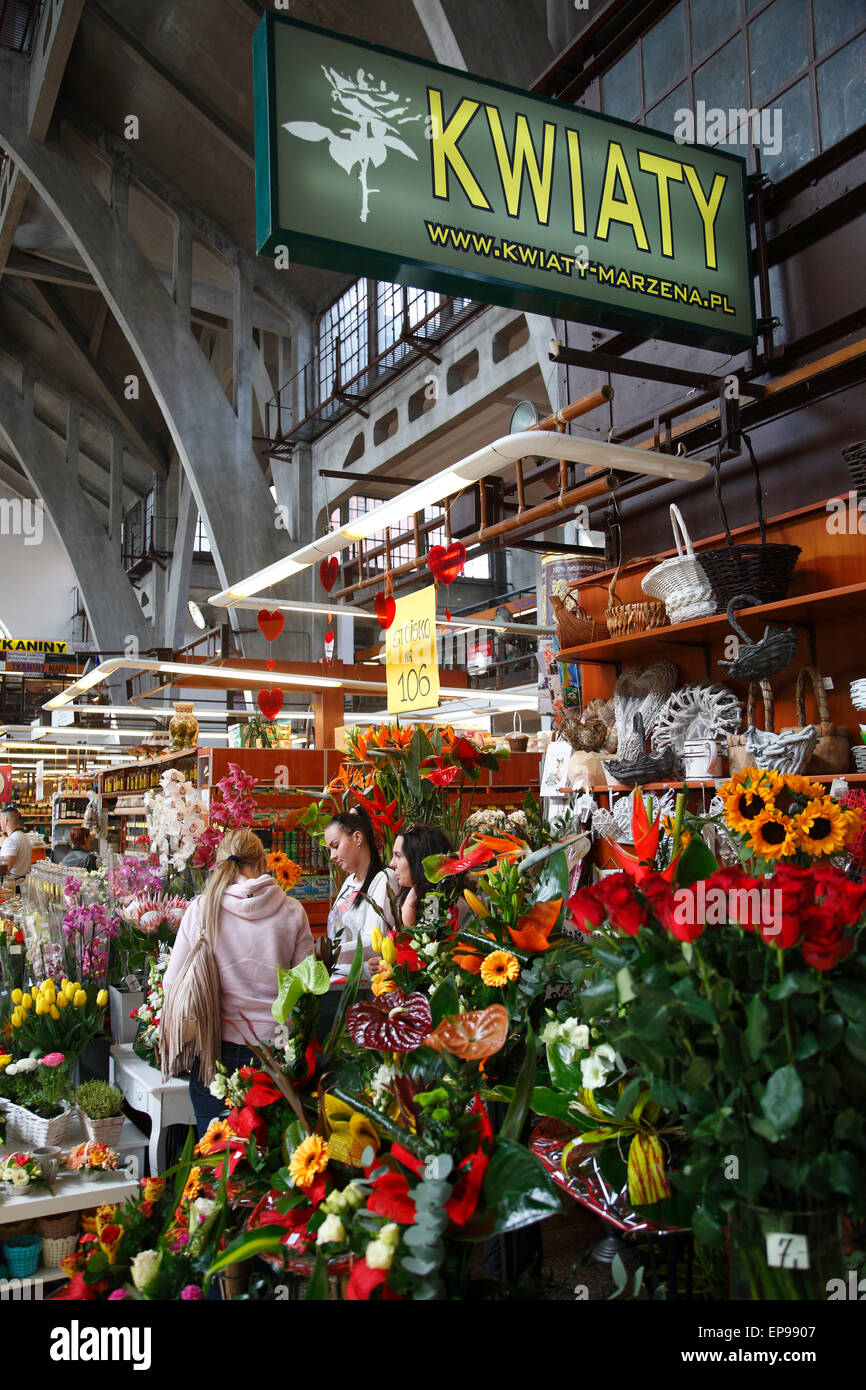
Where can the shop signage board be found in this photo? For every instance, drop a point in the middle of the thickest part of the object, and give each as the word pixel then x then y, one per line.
pixel 25 663
pixel 375 163
pixel 5 782
pixel 411 667
pixel 479 655
pixel 32 644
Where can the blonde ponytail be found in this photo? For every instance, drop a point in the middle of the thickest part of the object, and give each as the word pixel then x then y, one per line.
pixel 238 849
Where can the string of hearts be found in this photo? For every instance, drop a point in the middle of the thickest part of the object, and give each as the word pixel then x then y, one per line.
pixel 271 624
pixel 328 571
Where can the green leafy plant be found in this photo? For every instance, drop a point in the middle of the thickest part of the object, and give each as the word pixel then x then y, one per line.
pixel 99 1100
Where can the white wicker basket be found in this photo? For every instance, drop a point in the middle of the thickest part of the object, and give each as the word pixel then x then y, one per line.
pixel 680 582
pixel 55 1250
pixel 103 1131
pixel 33 1130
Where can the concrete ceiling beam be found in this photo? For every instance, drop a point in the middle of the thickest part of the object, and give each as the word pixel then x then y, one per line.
pixel 75 338
pixel 22 266
pixel 109 599
pixel 233 139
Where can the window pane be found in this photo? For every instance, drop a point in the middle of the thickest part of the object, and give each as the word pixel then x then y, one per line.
pixel 777 46
pixel 663 116
pixel 842 92
pixel 722 81
pixel 620 91
pixel 834 19
pixel 664 54
pixel 798 139
pixel 710 21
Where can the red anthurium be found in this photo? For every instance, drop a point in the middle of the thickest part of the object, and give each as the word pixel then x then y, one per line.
pixel 466 752
pixel 76 1290
pixel 394 1022
pixel 472 1036
pixel 248 1122
pixel 437 866
pixel 442 775
pixel 263 1091
pixel 363 1282
pixel 390 1198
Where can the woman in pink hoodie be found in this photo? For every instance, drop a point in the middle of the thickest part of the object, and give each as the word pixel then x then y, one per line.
pixel 252 928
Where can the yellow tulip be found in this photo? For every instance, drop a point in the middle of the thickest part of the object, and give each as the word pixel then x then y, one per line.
pixel 68 991
pixel 376 940
pixel 16 1019
pixel 64 983
pixel 49 991
pixel 62 1001
pixel 102 998
pixel 41 1008
pixel 54 1012
pixel 17 996
pixel 389 951
pixel 80 999
pixel 75 987
pixel 27 1001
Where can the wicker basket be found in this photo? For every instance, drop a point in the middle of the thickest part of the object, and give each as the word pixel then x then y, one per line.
pixel 758 660
pixel 739 755
pixel 573 626
pixel 787 751
pixel 764 570
pixel 60 1227
pixel 36 1132
pixel 56 1249
pixel 680 582
pixel 832 752
pixel 646 767
pixel 22 1255
pixel 11 1229
pixel 625 618
pixel 103 1131
pixel 855 457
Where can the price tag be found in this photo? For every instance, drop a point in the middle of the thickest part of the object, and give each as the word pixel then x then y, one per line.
pixel 410 655
pixel 787 1252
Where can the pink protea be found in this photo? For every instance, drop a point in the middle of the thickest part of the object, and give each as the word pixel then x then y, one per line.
pixel 150 911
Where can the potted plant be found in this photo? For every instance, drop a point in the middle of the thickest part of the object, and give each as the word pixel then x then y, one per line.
pixel 101 1108
pixel 39 1111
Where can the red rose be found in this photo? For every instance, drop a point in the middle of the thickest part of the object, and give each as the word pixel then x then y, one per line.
pixel 845 898
pixel 587 909
pixel 660 896
pixel 685 923
pixel 625 909
pixel 824 942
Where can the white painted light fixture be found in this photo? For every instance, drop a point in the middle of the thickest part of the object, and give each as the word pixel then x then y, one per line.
pixel 493 459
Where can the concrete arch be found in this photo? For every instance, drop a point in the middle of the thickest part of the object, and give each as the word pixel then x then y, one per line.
pixel 216 451
pixel 108 597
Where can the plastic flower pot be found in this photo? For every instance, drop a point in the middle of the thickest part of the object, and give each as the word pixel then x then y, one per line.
pixel 22 1255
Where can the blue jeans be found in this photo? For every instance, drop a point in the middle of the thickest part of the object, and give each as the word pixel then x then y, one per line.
pixel 206 1106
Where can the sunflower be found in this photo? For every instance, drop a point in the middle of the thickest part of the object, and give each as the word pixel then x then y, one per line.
pixel 820 827
pixel 214 1139
pixel 803 786
pixel 748 795
pixel 309 1158
pixel 499 968
pixel 772 835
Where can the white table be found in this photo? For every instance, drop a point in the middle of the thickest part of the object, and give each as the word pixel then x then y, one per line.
pixel 166 1102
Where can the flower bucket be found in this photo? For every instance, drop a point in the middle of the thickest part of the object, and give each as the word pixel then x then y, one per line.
pixel 784 1255
pixel 105 1131
pixel 234 1279
pixel 121 1004
pixel 33 1130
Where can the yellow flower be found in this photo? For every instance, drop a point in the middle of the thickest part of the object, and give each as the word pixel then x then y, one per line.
pixel 102 997
pixel 17 996
pixel 476 904
pixel 5 1059
pixel 668 827
pixel 41 1008
pixel 215 1137
pixel 27 1001
pixel 16 1018
pixel 193 1185
pixel 772 836
pixel 62 1001
pixel 64 983
pixel 54 1012
pixel 383 981
pixel 80 999
pixel 376 940
pixel 499 968
pixel 820 827
pixel 48 991
pixel 749 794
pixel 309 1158
pixel 389 951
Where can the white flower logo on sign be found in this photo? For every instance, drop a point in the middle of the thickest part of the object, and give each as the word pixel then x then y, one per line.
pixel 369 106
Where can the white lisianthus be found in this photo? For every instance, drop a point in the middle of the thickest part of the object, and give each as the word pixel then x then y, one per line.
pixel 592 1073
pixel 550 1032
pixel 19 1177
pixel 379 1255
pixel 144 1269
pixel 331 1231
pixel 353 1195
pixel 390 1235
pixel 218 1087
pixel 199 1210
pixel 575 1034
pixel 431 948
pixel 335 1202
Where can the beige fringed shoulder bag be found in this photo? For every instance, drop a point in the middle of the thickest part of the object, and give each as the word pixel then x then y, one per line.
pixel 190 1026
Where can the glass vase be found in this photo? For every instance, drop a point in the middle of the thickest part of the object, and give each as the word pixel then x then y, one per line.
pixel 183 727
pixel 784 1255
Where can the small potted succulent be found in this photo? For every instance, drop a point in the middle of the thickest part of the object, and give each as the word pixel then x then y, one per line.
pixel 101 1108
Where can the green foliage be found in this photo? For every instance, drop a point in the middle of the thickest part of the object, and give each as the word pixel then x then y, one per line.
pixel 99 1100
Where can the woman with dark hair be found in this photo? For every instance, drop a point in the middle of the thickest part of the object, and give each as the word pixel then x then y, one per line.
pixel 410 850
pixel 368 895
pixel 80 856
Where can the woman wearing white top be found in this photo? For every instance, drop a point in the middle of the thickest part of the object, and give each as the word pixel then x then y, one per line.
pixel 366 900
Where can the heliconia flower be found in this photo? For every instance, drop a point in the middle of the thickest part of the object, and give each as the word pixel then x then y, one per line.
pixel 647 1180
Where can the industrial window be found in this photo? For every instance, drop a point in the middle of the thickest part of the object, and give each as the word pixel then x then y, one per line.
pixel 343 331
pixel 202 539
pixel 136 532
pixel 477 568
pixel 804 61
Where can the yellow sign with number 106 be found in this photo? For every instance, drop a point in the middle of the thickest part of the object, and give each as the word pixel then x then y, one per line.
pixel 411 665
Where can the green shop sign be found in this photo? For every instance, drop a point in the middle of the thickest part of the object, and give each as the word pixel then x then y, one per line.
pixel 375 163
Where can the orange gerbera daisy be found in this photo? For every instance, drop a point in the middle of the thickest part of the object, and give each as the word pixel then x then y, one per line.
pixel 499 969
pixel 214 1139
pixel 309 1158
pixel 193 1182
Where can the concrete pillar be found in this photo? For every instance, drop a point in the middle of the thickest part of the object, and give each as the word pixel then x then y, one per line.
pixel 109 599
pixel 162 541
pixel 73 433
pixel 242 352
pixel 115 495
pixel 181 267
pixel 177 594
pixel 120 196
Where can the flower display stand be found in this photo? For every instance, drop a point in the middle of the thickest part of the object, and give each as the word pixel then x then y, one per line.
pixel 166 1102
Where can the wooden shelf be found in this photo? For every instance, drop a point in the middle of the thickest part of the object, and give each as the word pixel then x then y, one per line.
pixel 805 608
pixel 692 783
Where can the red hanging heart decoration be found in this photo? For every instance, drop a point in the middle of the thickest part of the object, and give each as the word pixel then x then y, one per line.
pixel 328 571
pixel 270 702
pixel 329 645
pixel 386 609
pixel 271 624
pixel 446 563
pixel 447 615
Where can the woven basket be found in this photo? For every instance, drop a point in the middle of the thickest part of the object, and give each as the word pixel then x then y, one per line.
pixel 764 570
pixel 739 755
pixel 855 457
pixel 625 618
pixel 832 752
pixel 680 582
pixel 103 1131
pixel 9 1230
pixel 646 767
pixel 758 660
pixel 60 1227
pixel 56 1249
pixel 573 626
pixel 36 1132
pixel 22 1255
pixel 787 751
